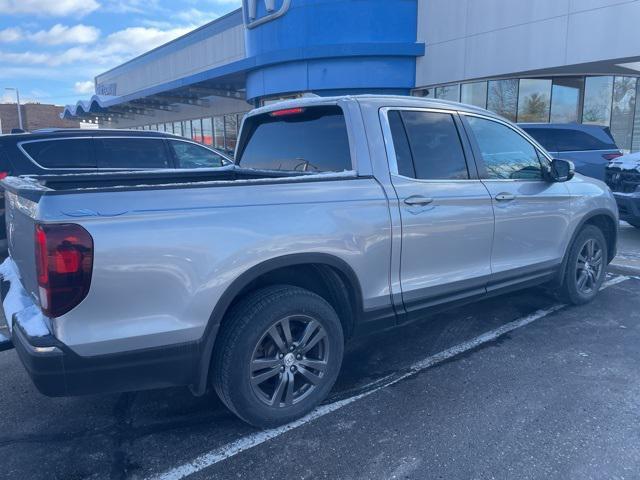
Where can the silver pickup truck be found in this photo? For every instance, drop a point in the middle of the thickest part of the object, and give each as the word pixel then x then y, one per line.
pixel 341 216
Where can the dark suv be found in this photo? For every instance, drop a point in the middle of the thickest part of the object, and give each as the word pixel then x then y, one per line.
pixel 589 147
pixel 64 151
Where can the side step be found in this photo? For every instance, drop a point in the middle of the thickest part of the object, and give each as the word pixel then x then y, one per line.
pixel 5 339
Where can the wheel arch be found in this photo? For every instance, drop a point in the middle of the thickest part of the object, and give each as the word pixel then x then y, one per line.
pixel 607 223
pixel 326 267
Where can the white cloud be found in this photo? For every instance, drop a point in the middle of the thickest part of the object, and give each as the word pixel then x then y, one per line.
pixel 61 34
pixel 84 88
pixel 9 35
pixel 51 8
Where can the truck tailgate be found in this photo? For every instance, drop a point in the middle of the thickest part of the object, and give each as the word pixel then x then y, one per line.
pixel 20 218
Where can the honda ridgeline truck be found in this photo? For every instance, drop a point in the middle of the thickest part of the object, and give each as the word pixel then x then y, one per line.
pixel 340 216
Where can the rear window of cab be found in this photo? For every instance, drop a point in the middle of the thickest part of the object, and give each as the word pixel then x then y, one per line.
pixel 305 139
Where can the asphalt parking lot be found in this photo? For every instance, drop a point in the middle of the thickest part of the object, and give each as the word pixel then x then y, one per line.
pixel 513 387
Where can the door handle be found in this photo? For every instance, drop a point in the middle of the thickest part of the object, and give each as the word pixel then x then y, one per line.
pixel 418 200
pixel 505 197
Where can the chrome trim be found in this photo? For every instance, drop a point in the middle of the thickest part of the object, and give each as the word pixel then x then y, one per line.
pixel 390 148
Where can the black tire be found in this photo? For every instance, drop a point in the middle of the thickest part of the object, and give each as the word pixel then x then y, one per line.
pixel 247 350
pixel 582 280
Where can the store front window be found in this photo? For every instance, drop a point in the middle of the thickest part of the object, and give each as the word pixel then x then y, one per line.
pixel 502 98
pixel 207 131
pixel 534 100
pixel 448 92
pixel 566 97
pixel 598 95
pixel 474 94
pixel 230 132
pixel 623 111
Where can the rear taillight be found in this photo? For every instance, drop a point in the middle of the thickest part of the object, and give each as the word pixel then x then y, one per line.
pixel 64 262
pixel 4 175
pixel 611 156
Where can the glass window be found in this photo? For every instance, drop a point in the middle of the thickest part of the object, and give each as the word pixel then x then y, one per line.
pixel 186 128
pixel 404 160
pixel 502 98
pixel 624 107
pixel 566 96
pixel 230 132
pixel 189 155
pixel 534 100
pixel 435 146
pixel 448 92
pixel 218 132
pixel 177 128
pixel 424 93
pixel 636 128
pixel 153 127
pixel 314 140
pixel 146 127
pixel 61 153
pixel 572 140
pixel 207 131
pixel 131 153
pixel 598 95
pixel 474 94
pixel 196 130
pixel 505 153
pixel 168 127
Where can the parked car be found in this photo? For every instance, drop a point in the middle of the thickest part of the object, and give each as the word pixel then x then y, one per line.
pixel 64 151
pixel 589 147
pixel 623 177
pixel 341 216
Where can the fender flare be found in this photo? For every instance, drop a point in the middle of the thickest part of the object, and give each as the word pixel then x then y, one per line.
pixel 207 342
pixel 576 231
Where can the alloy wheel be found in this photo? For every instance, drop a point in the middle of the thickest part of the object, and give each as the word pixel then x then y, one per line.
pixel 589 266
pixel 289 361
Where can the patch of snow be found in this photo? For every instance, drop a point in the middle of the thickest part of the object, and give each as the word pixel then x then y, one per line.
pixel 19 303
pixel 626 162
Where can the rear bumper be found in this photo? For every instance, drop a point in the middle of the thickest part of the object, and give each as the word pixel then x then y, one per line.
pixel 628 206
pixel 57 371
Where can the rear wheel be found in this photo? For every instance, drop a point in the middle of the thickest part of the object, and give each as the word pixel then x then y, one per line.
pixel 586 266
pixel 278 355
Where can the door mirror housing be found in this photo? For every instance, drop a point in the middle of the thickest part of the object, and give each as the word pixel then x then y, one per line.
pixel 561 170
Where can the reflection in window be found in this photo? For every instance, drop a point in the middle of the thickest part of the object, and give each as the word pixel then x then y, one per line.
pixel 506 154
pixel 177 128
pixel 207 131
pixel 448 92
pixel 624 105
pixel 230 132
pixel 635 147
pixel 218 132
pixel 474 94
pixel 168 127
pixel 565 99
pixel 597 100
pixel 196 130
pixel 186 128
pixel 503 98
pixel 534 100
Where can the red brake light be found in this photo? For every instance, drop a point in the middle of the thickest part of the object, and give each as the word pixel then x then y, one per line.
pixel 611 156
pixel 287 112
pixel 4 175
pixel 64 261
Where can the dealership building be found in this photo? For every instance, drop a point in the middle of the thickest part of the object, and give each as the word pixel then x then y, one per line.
pixel 529 60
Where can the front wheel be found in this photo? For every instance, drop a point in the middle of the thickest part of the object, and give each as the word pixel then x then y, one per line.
pixel 278 355
pixel 586 266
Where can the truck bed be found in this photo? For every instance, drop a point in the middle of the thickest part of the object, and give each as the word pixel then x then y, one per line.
pixel 33 187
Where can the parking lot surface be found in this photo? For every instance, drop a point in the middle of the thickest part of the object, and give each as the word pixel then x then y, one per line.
pixel 513 387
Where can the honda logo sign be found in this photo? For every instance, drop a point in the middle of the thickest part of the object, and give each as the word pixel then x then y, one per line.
pixel 250 10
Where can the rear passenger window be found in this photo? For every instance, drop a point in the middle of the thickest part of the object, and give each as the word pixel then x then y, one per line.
pixel 132 153
pixel 310 139
pixel 72 153
pixel 432 142
pixel 190 155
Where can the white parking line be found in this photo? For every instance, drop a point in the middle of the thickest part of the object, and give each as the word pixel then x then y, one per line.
pixel 227 451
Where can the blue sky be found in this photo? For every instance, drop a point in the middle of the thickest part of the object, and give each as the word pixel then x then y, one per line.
pixel 52 49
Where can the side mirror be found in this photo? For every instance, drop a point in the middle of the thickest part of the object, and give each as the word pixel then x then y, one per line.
pixel 561 170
